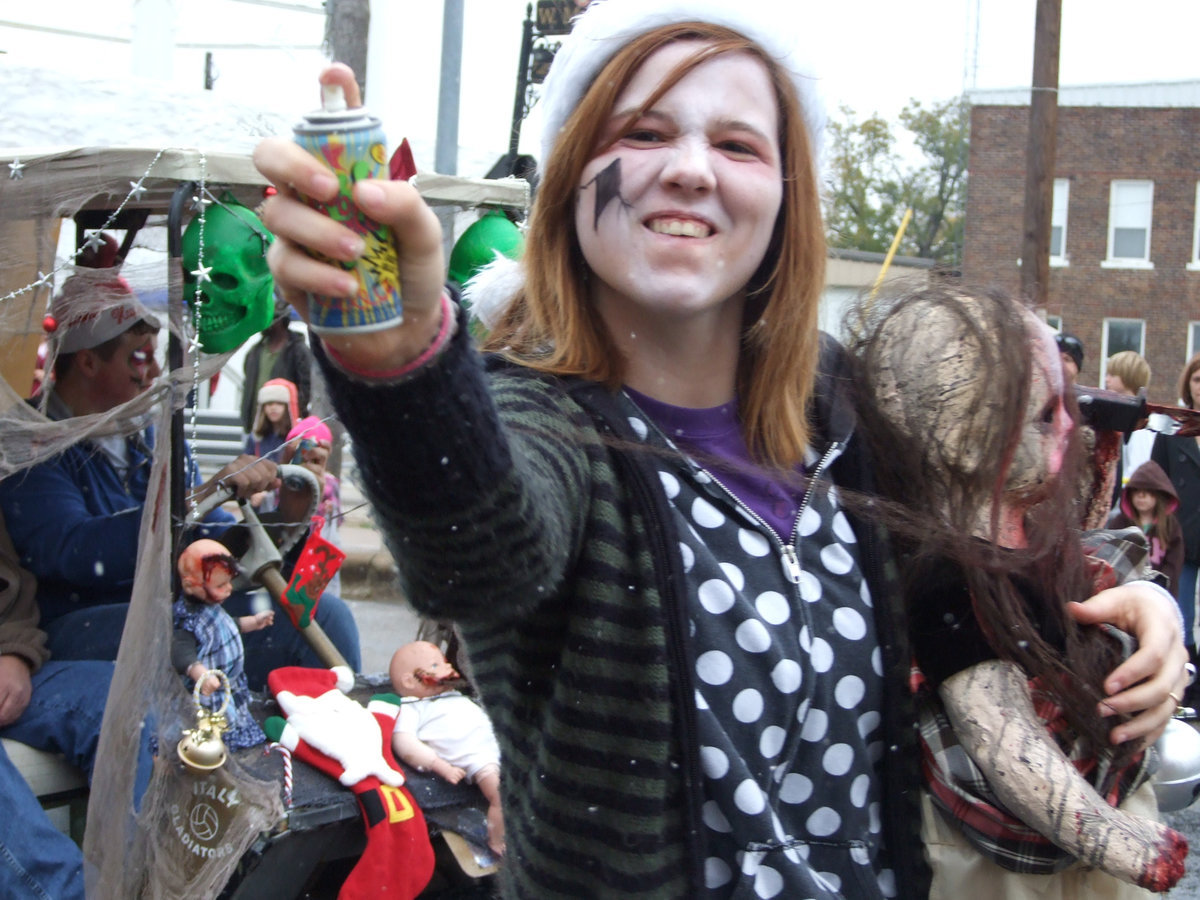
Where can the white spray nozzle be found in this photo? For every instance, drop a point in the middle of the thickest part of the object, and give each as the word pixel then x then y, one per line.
pixel 333 98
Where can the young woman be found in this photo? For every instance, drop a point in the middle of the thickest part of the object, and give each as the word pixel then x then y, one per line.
pixel 684 644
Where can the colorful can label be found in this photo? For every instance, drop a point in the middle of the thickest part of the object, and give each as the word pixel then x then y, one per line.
pixel 352 144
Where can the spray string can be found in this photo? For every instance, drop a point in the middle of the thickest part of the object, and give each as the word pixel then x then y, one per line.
pixel 351 143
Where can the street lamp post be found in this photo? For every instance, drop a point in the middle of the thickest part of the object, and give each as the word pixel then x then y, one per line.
pixel 537 52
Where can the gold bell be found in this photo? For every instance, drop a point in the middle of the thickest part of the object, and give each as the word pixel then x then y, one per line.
pixel 201 748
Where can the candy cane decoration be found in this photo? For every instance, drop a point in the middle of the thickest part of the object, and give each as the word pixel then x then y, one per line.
pixel 287 772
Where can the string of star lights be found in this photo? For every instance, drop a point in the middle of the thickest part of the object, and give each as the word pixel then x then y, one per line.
pixel 200 203
pixel 94 241
pixel 202 274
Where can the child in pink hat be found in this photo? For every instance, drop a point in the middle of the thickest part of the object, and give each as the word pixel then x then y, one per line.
pixel 308 444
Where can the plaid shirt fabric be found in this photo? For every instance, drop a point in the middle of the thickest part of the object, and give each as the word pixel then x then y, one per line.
pixel 959 788
pixel 219 646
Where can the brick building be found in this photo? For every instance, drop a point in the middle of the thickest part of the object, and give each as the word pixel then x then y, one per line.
pixel 1125 244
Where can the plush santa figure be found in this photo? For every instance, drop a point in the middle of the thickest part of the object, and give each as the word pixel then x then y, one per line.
pixel 352 743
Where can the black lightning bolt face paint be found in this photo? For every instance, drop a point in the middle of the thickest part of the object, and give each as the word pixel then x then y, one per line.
pixel 608 188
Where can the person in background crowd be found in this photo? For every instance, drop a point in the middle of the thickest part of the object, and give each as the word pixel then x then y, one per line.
pixel 278 411
pixel 1070 351
pixel 1179 457
pixel 1149 501
pixel 279 353
pixel 1127 373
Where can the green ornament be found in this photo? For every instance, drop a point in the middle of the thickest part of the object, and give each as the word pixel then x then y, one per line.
pixel 493 234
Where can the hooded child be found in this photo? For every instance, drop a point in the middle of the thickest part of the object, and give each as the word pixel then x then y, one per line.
pixel 1149 501
pixel 278 411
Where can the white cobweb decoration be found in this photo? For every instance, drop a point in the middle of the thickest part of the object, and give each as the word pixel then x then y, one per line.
pixel 190 831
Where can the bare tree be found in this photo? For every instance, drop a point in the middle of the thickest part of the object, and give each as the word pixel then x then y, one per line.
pixel 346 25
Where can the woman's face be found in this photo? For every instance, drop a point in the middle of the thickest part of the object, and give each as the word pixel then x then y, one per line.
pixel 675 215
pixel 273 411
pixel 1194 388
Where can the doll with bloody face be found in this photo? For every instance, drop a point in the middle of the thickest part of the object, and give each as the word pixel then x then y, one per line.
pixel 442 731
pixel 967 393
pixel 207 637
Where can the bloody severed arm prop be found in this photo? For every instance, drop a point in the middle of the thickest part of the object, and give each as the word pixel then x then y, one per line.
pixel 993 717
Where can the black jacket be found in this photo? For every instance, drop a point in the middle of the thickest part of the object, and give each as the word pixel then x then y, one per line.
pixel 1180 459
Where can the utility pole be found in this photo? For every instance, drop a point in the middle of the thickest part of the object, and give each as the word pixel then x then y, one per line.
pixel 446 149
pixel 347 23
pixel 1040 153
pixel 445 152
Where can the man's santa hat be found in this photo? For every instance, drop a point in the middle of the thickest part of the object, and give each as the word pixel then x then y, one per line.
pixel 95 306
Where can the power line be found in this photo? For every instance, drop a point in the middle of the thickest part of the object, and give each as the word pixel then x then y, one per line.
pixel 281 4
pixel 182 45
pixel 65 32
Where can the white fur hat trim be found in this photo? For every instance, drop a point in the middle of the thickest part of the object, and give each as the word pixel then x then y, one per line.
pixel 608 25
pixel 490 290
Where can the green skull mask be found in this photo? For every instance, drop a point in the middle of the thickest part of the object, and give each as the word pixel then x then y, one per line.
pixel 237 300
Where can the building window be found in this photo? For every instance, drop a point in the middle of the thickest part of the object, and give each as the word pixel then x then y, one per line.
pixel 1054 322
pixel 1058 222
pixel 1130 209
pixel 1195 263
pixel 1193 339
pixel 1121 334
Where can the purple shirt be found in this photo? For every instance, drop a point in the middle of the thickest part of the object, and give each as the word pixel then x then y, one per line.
pixel 713 437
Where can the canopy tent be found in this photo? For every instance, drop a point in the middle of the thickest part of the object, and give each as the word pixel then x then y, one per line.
pixel 130 192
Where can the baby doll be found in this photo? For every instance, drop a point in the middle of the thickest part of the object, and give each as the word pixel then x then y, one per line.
pixel 207 637
pixel 963 395
pixel 442 731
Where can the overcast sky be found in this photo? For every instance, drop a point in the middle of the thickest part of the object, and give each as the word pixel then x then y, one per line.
pixel 873 55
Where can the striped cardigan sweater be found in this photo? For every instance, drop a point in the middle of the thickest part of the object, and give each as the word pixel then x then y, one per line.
pixel 513 507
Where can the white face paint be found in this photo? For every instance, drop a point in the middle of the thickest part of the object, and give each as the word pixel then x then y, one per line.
pixel 676 214
pixel 128 372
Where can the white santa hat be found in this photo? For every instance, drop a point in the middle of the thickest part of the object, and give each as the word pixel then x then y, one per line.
pixel 596 36
pixel 94 307
pixel 608 25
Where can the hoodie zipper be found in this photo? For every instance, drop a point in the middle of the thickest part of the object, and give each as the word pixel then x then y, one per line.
pixel 789 558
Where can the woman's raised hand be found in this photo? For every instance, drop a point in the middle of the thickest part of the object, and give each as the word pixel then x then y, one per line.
pixel 297 226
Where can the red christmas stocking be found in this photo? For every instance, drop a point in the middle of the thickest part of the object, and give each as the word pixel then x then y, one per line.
pixel 335 734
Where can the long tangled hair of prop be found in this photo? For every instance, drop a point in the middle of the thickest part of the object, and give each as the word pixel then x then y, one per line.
pixel 943 380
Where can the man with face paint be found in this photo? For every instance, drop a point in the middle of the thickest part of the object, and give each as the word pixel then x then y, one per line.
pixel 75 518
